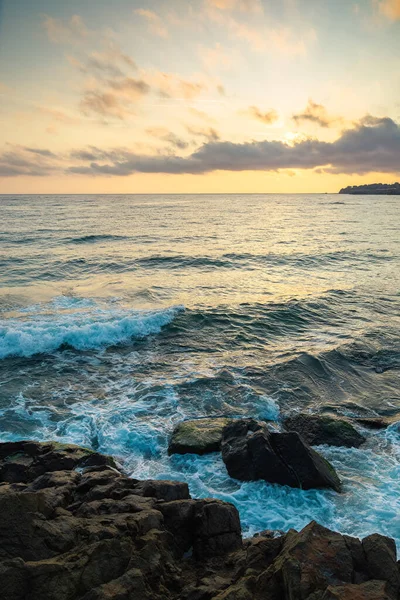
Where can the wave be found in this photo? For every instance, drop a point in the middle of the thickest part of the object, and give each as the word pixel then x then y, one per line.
pixel 93 238
pixel 86 330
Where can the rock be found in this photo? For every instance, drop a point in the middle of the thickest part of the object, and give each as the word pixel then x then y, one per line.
pixel 198 436
pixel 163 490
pixel 377 422
pixel 310 561
pixel 92 533
pixel 25 461
pixel 371 590
pixel 322 429
pixel 380 554
pixel 216 529
pixel 251 452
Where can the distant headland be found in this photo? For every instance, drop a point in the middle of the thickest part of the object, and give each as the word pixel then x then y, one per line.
pixel 373 188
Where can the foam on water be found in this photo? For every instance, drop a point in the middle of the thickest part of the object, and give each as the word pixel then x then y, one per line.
pixel 85 329
pixel 135 429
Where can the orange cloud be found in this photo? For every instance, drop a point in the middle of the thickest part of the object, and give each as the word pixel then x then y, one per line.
pixel 317 114
pixel 252 6
pixel 268 117
pixel 155 23
pixel 390 9
pixel 65 32
pixel 216 57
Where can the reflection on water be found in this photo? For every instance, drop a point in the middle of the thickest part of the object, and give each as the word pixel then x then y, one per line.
pixel 290 302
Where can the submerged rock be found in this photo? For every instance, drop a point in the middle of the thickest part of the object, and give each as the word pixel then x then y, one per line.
pixel 92 533
pixel 198 436
pixel 251 452
pixel 378 422
pixel 322 429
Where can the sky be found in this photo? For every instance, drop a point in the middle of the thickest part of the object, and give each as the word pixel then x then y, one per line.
pixel 198 96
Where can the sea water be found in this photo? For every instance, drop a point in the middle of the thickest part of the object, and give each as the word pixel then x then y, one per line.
pixel 122 315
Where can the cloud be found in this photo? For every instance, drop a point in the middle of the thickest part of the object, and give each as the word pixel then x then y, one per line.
pixel 169 137
pixel 105 104
pixel 262 37
pixel 268 117
pixel 156 25
pixel 250 6
pixel 209 133
pixel 389 8
pixel 40 151
pixel 109 63
pixel 65 31
pixel 371 145
pixel 216 57
pixel 316 113
pixel 24 161
pixel 200 114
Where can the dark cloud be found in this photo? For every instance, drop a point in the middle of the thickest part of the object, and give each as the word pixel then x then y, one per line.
pixel 20 161
pixel 372 145
pixel 40 151
pixel 316 113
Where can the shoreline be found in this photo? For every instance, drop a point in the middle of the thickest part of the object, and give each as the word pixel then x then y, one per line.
pixel 73 526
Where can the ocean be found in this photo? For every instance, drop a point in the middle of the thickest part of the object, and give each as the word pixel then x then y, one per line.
pixel 122 315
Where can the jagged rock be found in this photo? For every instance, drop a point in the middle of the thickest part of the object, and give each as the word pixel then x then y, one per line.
pixel 163 490
pixel 25 461
pixel 198 436
pixel 322 429
pixel 371 590
pixel 92 533
pixel 216 528
pixel 251 452
pixel 380 555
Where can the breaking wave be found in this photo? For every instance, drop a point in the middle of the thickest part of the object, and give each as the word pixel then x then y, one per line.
pixel 86 330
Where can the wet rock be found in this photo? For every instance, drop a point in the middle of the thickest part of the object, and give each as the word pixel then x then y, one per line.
pixel 378 422
pixel 251 452
pixel 198 436
pixel 323 429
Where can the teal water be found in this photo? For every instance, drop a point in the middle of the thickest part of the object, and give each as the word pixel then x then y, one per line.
pixel 122 315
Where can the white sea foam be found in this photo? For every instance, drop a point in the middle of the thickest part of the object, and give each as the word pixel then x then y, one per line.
pixel 136 432
pixel 83 330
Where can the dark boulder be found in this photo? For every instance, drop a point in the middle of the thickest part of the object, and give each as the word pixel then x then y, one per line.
pixel 216 528
pixel 322 429
pixel 198 436
pixel 251 452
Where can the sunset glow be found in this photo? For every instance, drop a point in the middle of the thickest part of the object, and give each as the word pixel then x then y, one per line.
pixel 198 96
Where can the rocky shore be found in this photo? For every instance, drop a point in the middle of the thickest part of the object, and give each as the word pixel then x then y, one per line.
pixel 387 189
pixel 74 526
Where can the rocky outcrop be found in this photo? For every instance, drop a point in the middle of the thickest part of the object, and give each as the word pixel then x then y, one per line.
pixel 251 452
pixel 198 436
pixel 88 532
pixel 389 189
pixel 323 429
